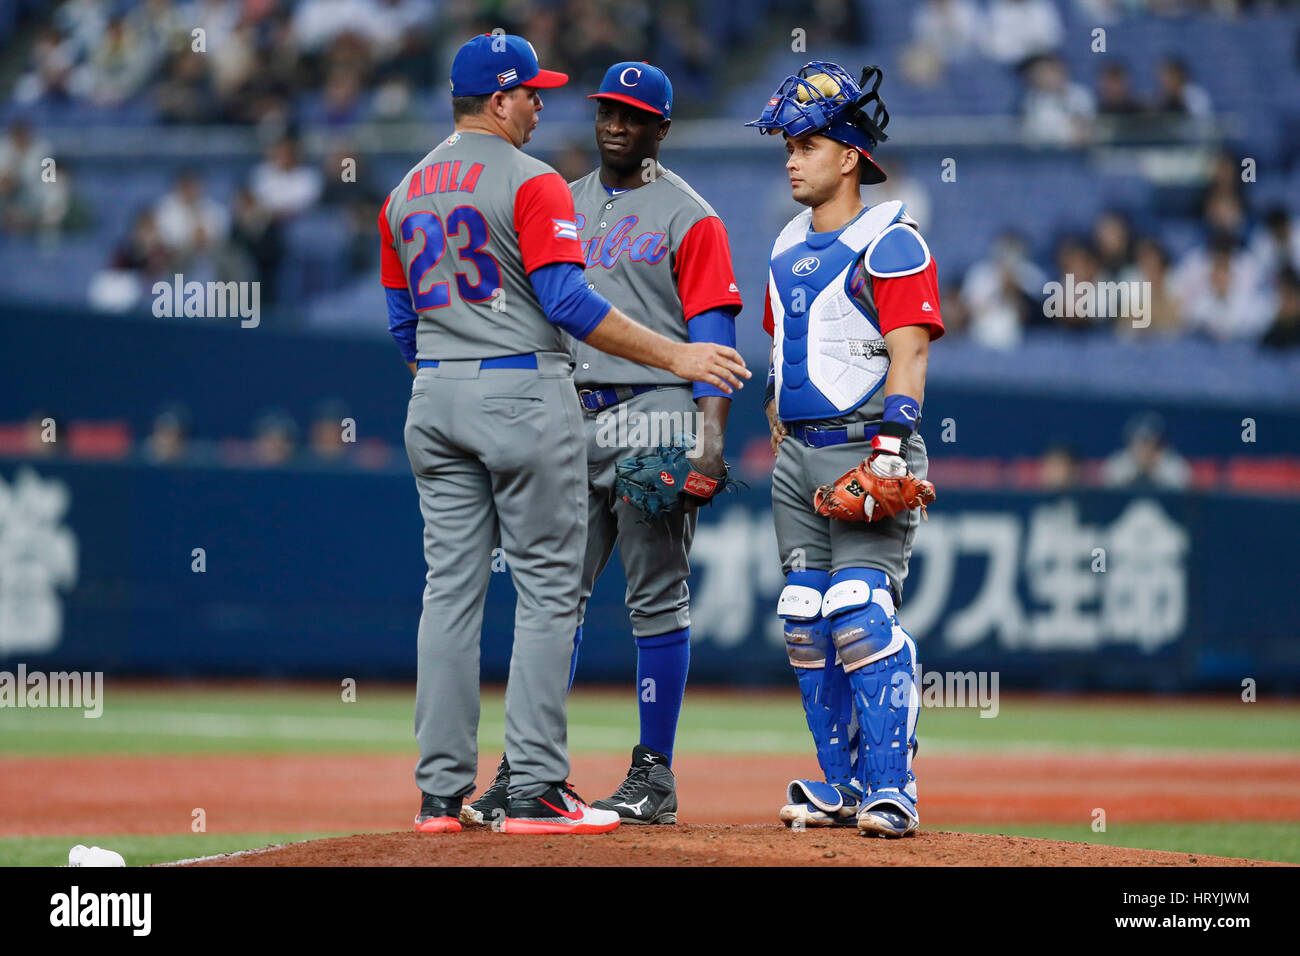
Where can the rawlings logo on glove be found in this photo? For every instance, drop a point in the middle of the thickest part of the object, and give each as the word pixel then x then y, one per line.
pixel 663 480
pixel 880 487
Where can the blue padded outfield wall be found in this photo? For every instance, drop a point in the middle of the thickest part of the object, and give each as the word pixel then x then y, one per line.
pixel 317 572
pixel 311 573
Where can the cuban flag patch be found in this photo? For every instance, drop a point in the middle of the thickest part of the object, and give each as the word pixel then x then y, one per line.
pixel 565 229
pixel 509 76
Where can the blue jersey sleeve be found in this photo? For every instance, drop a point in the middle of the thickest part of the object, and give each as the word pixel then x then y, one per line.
pixel 717 326
pixel 402 321
pixel 562 289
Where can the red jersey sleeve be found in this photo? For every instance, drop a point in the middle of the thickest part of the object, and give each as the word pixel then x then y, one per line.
pixel 545 223
pixel 702 266
pixel 391 273
pixel 769 320
pixel 909 300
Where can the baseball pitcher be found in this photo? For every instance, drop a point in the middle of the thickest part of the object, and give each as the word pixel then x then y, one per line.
pixel 653 246
pixel 483 271
pixel 852 306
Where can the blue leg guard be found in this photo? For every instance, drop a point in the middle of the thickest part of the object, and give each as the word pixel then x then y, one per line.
pixel 880 660
pixel 828 706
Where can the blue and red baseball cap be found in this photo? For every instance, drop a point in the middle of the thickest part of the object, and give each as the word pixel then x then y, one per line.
pixel 499 61
pixel 637 84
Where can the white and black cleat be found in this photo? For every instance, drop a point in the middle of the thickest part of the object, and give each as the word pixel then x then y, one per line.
pixel 888 813
pixel 815 803
pixel 648 795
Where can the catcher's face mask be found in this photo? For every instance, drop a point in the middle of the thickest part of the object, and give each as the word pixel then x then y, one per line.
pixel 822 98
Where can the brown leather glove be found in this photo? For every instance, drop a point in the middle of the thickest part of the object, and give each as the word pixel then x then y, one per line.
pixel 862 495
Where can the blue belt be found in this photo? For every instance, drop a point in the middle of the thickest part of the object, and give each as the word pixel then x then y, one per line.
pixel 594 399
pixel 527 360
pixel 815 437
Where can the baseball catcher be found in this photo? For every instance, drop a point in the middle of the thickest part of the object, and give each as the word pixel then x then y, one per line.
pixel 852 306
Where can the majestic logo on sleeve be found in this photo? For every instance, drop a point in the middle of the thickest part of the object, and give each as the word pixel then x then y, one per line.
pixel 806 266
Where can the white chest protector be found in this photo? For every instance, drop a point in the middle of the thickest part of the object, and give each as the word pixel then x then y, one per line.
pixel 830 356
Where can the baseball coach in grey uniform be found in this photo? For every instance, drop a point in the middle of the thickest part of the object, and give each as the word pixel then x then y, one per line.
pixel 483 272
pixel 658 250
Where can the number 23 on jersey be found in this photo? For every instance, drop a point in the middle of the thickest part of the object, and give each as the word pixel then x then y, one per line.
pixel 428 228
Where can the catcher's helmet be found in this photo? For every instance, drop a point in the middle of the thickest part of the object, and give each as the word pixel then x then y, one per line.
pixel 822 98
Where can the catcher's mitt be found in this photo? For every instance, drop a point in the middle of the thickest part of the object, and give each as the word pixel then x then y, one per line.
pixel 862 495
pixel 661 481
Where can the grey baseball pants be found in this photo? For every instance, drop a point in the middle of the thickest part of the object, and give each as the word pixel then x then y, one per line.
pixel 498 455
pixel 808 540
pixel 655 553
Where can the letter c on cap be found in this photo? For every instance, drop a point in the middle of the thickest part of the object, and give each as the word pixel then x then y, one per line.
pixel 622 77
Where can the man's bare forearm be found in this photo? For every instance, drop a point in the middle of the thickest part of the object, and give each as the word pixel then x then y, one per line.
pixel 713 411
pixel 621 336
pixel 719 365
pixel 909 354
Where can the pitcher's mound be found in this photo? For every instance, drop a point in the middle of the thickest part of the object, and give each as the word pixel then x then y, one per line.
pixel 706 844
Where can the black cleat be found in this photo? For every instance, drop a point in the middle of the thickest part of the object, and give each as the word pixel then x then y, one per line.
pixel 438 814
pixel 489 810
pixel 557 809
pixel 649 794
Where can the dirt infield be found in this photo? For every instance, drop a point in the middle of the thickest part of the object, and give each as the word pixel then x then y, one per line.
pixel 358 794
pixel 707 845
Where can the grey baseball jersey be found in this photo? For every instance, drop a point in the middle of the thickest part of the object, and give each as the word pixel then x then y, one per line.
pixel 497 452
pixel 465 226
pixel 660 254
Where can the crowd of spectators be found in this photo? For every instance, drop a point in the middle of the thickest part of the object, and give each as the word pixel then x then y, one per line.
pixel 36 194
pixel 1016 33
pixel 1236 285
pixel 363 58
pixel 1057 110
pixel 1025 37
pixel 1240 281
pixel 190 232
pixel 280 65
pixel 360 59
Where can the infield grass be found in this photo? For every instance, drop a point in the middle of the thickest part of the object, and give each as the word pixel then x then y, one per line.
pixel 139 719
pixel 1253 841
pixel 252 718
pixel 141 850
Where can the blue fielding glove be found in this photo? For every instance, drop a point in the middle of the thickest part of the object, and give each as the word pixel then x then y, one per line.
pixel 662 480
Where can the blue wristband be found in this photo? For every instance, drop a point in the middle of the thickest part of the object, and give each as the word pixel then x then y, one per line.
pixel 902 412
